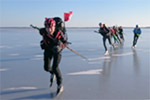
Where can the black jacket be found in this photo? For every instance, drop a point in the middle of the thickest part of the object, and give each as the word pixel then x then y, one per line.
pixel 51 41
pixel 104 31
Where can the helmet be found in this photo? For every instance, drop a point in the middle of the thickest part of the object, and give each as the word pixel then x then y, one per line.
pixel 49 22
pixel 100 24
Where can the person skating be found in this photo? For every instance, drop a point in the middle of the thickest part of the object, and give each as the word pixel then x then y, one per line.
pixel 113 34
pixel 137 32
pixel 120 29
pixel 105 32
pixel 54 41
pixel 117 34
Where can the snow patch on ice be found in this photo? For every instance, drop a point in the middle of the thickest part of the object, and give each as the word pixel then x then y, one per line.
pixel 88 72
pixel 3 69
pixel 123 54
pixel 14 54
pixel 21 88
pixel 99 58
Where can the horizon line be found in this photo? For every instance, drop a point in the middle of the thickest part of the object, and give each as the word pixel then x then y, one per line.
pixel 71 27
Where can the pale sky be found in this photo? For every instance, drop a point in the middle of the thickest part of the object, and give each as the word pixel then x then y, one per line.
pixel 86 13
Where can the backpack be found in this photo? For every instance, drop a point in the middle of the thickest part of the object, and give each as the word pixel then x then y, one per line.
pixel 60 25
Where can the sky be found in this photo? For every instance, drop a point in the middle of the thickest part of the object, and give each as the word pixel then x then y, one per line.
pixel 86 13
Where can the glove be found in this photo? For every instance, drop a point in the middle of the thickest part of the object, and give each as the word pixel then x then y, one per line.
pixel 64 45
pixel 138 35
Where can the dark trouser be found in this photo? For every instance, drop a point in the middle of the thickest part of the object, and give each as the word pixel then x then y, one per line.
pixel 104 42
pixel 135 39
pixel 48 56
pixel 121 36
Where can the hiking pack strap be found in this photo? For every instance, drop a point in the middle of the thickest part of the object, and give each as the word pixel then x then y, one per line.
pixel 62 34
pixel 44 39
pixel 57 36
pixel 50 36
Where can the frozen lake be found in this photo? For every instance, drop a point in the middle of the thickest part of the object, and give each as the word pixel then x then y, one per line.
pixel 124 74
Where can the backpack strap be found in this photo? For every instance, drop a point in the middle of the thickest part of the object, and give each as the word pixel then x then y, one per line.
pixel 50 36
pixel 44 39
pixel 62 34
pixel 57 36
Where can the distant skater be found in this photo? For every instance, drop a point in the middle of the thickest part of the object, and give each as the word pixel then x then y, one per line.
pixel 54 41
pixel 117 35
pixel 113 34
pixel 137 32
pixel 106 33
pixel 120 29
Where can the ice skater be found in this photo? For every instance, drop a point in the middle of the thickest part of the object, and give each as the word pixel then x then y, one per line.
pixel 137 32
pixel 54 41
pixel 120 31
pixel 117 35
pixel 105 32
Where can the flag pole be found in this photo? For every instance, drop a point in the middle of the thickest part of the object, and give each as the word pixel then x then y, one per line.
pixel 67 17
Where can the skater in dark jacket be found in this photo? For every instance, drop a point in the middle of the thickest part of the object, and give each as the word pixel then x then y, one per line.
pixel 120 29
pixel 105 32
pixel 54 41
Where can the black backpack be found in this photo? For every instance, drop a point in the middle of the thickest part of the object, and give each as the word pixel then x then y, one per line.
pixel 60 25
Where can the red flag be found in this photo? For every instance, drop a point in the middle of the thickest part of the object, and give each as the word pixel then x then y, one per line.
pixel 67 16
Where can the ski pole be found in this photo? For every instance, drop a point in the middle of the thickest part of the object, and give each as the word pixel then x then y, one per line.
pixel 76 53
pixel 35 27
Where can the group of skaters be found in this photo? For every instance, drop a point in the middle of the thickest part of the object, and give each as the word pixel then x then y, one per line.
pixel 117 34
pixel 55 40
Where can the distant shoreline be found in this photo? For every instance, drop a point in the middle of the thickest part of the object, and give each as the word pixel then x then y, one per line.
pixel 66 27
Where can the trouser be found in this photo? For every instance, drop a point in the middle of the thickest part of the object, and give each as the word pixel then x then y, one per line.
pixel 104 42
pixel 118 39
pixel 135 39
pixel 54 69
pixel 121 36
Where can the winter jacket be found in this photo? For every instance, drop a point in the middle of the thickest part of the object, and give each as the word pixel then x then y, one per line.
pixel 137 31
